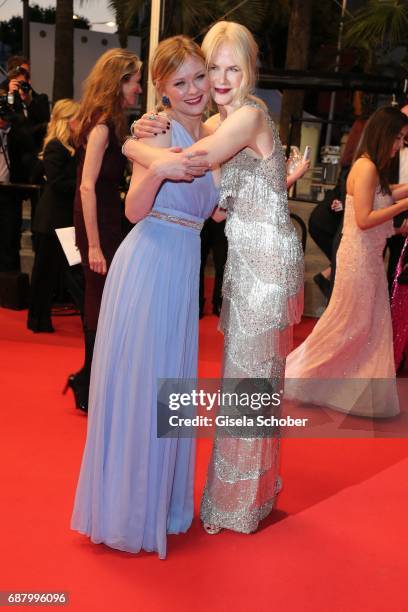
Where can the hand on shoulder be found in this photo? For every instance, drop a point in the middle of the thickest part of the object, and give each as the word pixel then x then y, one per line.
pixel 161 140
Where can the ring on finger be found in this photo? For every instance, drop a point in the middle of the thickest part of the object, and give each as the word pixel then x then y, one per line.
pixel 190 155
pixel 151 116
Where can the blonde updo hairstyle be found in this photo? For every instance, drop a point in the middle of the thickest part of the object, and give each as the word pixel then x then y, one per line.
pixel 244 49
pixel 58 126
pixel 102 99
pixel 168 57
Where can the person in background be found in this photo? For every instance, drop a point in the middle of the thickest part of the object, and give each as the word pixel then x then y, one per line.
pixel 17 157
pixel 213 239
pixel 399 307
pixel 395 244
pixel 55 210
pixel 35 107
pixel 33 111
pixel 347 362
pixel 399 292
pixel 112 86
pixel 326 221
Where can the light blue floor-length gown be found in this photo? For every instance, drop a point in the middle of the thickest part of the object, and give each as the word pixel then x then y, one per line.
pixel 133 487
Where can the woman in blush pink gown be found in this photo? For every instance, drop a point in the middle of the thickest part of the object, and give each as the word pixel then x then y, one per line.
pixel 347 362
pixel 399 310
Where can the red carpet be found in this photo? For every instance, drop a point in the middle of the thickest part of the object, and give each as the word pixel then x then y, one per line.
pixel 337 540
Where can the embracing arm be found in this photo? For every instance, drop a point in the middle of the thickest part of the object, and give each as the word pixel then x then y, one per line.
pixel 95 150
pixel 163 164
pixel 364 188
pixel 235 133
pixel 146 181
pixel 145 155
pixel 143 189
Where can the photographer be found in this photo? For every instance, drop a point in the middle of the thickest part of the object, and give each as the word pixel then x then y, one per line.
pixel 34 107
pixel 17 156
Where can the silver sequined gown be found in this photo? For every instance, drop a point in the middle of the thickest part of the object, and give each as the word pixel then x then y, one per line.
pixel 262 299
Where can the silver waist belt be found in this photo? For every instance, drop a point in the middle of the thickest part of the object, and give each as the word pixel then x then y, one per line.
pixel 197 225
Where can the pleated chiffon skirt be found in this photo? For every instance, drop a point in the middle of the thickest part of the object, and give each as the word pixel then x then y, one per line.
pixel 135 488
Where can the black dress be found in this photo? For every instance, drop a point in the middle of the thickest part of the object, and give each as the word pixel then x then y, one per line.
pixel 55 209
pixel 110 223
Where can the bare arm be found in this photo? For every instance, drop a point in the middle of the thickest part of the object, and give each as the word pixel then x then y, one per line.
pixel 235 133
pixel 364 182
pixel 299 171
pixel 143 189
pixel 399 191
pixel 95 150
pixel 152 124
pixel 213 122
pixel 146 182
pixel 144 152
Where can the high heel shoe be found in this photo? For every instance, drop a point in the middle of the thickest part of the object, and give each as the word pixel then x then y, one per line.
pixel 80 394
pixel 211 529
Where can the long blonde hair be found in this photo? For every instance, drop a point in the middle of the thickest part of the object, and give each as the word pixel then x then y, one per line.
pixel 102 98
pixel 58 127
pixel 244 49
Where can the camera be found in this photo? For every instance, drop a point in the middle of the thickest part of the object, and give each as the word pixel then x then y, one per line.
pixel 24 86
pixel 6 109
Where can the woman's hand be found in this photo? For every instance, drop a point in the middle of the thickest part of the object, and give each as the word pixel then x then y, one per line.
pixel 150 124
pixel 219 214
pixel 336 206
pixel 97 261
pixel 301 168
pixel 176 165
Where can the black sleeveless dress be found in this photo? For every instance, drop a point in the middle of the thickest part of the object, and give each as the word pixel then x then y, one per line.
pixel 110 222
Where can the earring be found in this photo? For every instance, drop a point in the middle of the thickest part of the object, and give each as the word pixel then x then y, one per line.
pixel 165 101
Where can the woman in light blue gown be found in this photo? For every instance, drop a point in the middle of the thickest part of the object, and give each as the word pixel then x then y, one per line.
pixel 135 488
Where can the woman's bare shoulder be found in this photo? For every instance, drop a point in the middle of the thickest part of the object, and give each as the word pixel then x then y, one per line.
pixel 364 166
pixel 363 174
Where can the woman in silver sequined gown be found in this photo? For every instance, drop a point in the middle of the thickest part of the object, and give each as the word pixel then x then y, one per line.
pixel 262 299
pixel 262 291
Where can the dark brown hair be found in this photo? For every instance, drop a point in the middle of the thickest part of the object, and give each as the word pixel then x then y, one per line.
pixel 15 61
pixel 378 138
